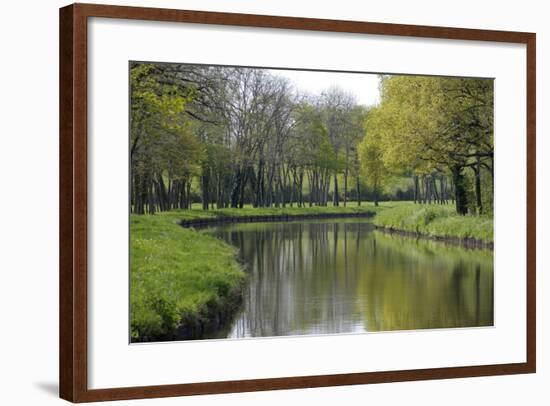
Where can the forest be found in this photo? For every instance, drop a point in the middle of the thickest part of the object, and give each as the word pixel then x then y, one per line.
pixel 230 137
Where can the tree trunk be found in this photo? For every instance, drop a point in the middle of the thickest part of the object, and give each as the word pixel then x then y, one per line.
pixel 244 180
pixel 358 187
pixel 205 188
pixel 434 189
pixel 442 189
pixel 260 185
pixel 429 193
pixel 162 194
pixel 477 175
pixel 452 190
pixel 461 197
pixel 189 202
pixel 151 196
pixel 415 183
pixel 235 191
pixel 182 196
pixel 140 208
pixel 218 192
pixel 132 192
pixel 345 187
pixel 301 189
pixel 335 197
pixel 143 192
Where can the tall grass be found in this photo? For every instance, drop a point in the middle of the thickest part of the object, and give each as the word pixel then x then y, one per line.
pixel 435 221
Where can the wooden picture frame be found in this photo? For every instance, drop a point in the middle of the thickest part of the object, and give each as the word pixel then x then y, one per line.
pixel 73 198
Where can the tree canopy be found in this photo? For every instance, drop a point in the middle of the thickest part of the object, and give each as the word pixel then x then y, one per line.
pixel 434 128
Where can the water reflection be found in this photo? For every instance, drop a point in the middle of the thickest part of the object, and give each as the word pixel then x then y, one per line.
pixel 336 276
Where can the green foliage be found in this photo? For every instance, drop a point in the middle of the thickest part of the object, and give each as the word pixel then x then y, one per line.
pixel 426 126
pixel 487 193
pixel 371 157
pixel 424 122
pixel 163 141
pixel 312 140
pixel 325 156
pixel 155 107
pixel 404 121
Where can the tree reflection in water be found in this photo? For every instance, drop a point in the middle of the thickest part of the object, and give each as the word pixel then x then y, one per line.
pixel 342 276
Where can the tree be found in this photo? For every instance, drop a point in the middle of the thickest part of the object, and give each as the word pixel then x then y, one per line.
pixel 371 156
pixel 314 154
pixel 433 126
pixel 355 130
pixel 161 141
pixel 336 107
pixel 232 136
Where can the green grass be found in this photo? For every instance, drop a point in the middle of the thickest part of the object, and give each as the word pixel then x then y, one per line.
pixel 177 274
pixel 248 211
pixel 435 221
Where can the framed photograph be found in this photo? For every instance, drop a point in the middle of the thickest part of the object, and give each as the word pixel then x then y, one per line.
pixel 256 202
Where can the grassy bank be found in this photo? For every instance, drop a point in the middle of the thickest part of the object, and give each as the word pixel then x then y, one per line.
pixel 249 211
pixel 181 280
pixel 434 221
pixel 184 281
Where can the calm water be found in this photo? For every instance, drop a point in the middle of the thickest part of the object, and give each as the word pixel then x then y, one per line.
pixel 342 276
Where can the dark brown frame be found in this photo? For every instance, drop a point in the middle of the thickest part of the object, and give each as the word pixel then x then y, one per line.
pixel 73 331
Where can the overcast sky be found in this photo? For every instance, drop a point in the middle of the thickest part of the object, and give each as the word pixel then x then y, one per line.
pixel 363 85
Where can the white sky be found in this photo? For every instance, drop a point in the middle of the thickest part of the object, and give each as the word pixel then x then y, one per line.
pixel 363 85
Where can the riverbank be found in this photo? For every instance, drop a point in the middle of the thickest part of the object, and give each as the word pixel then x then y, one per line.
pixel 188 216
pixel 187 284
pixel 183 283
pixel 248 215
pixel 437 222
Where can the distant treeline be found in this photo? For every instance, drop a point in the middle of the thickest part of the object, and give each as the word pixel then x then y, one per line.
pixel 227 137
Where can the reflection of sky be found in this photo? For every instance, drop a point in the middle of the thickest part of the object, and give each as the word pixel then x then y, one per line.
pixel 364 86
